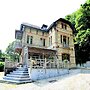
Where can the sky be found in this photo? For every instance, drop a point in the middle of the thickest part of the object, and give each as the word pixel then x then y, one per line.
pixel 37 12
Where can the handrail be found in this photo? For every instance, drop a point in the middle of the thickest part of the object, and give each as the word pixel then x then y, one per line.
pixel 10 63
pixel 41 63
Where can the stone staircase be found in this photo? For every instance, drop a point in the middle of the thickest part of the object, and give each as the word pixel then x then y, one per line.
pixel 18 76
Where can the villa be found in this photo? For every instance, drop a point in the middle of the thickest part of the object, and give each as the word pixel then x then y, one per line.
pixel 44 50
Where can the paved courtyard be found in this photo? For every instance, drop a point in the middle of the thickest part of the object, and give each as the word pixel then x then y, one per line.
pixel 66 82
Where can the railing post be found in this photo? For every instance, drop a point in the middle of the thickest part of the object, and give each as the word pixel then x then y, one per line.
pixel 45 66
pixel 30 64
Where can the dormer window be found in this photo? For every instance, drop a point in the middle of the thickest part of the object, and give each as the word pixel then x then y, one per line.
pixel 23 27
pixel 44 27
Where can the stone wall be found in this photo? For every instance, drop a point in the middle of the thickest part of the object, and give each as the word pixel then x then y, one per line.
pixel 37 74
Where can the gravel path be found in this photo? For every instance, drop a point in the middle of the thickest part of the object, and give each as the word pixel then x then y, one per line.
pixel 75 82
pixel 66 82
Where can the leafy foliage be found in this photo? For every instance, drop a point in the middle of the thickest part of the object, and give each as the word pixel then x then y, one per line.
pixel 81 21
pixel 1 66
pixel 10 51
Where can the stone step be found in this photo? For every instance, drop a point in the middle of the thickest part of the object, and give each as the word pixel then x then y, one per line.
pixel 16 79
pixel 20 76
pixel 17 82
pixel 20 71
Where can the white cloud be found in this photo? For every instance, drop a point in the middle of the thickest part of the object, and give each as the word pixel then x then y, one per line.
pixel 14 12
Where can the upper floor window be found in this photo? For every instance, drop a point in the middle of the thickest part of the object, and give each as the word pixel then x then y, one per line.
pixel 68 40
pixel 29 39
pixel 42 41
pixel 50 40
pixel 64 40
pixel 51 30
pixel 42 33
pixel 61 38
pixel 23 28
pixel 30 30
pixel 36 31
pixel 64 26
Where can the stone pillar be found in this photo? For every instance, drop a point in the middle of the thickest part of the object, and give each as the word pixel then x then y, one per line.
pixel 25 59
pixel 45 66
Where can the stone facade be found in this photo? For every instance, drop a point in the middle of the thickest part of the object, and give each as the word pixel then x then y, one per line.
pixel 58 38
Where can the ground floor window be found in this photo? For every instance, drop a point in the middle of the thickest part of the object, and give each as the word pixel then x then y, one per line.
pixel 65 57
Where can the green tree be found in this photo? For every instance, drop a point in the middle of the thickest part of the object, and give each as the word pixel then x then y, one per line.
pixel 10 52
pixel 71 18
pixel 81 21
pixel 0 53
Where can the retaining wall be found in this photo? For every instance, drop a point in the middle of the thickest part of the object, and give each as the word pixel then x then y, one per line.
pixel 37 74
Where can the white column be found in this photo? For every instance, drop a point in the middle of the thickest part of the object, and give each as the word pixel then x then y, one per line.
pixel 26 56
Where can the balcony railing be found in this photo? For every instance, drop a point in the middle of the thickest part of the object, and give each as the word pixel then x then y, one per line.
pixel 65 45
pixel 18 44
pixel 36 45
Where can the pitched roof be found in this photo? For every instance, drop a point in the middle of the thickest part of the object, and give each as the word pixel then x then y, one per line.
pixel 63 20
pixel 32 26
pixel 52 25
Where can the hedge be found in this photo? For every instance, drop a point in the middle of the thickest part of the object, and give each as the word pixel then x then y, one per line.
pixel 1 66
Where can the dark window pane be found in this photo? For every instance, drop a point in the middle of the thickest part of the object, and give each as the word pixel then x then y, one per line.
pixel 27 38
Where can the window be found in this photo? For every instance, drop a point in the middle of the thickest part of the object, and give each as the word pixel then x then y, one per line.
pixel 51 30
pixel 65 57
pixel 61 38
pixel 68 40
pixel 36 31
pixel 43 42
pixel 27 38
pixel 30 30
pixel 42 33
pixel 65 27
pixel 64 40
pixel 51 40
pixel 31 39
pixel 23 28
pixel 62 25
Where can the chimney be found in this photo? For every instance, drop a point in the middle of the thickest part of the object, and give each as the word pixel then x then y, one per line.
pixel 44 27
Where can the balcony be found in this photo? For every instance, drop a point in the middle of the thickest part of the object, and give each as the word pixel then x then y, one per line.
pixel 65 45
pixel 18 34
pixel 36 45
pixel 18 46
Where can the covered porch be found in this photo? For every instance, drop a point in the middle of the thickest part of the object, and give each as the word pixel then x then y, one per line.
pixel 41 58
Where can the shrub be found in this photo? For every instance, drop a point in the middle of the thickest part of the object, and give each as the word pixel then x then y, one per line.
pixel 1 66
